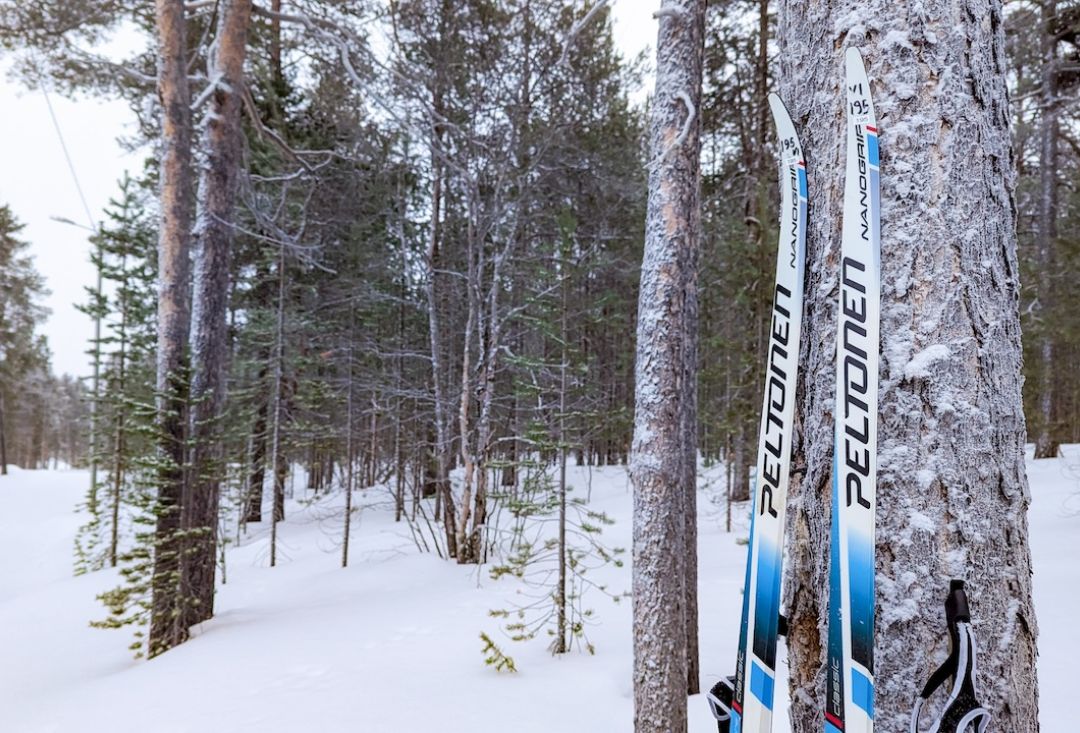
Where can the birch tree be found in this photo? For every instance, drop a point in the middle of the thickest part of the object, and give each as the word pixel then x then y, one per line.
pixel 952 490
pixel 666 308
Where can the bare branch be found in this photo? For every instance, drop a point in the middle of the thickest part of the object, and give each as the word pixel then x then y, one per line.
pixel 580 26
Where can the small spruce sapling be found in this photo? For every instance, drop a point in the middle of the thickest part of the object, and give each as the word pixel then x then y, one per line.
pixel 533 556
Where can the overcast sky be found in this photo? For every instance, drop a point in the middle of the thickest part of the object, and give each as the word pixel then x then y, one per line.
pixel 36 183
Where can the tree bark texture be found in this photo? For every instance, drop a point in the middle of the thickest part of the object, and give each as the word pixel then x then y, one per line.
pixel 663 391
pixel 174 245
pixel 952 489
pixel 222 145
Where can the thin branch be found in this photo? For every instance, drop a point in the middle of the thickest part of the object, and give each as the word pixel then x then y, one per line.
pixel 579 26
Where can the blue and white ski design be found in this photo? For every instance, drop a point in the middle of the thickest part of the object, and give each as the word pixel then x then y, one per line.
pixel 849 705
pixel 755 672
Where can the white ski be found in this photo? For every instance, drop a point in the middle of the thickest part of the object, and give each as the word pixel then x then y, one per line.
pixel 849 704
pixel 744 703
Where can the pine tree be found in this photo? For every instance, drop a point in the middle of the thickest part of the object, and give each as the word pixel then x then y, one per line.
pixel 952 492
pixel 665 398
pixel 22 352
pixel 126 262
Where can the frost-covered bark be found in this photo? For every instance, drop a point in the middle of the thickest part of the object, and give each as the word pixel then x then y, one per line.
pixel 663 393
pixel 952 490
pixel 222 144
pixel 174 246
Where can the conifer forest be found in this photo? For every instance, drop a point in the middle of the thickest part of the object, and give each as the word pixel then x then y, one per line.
pixel 470 365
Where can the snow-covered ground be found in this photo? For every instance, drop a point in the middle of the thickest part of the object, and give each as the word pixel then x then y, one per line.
pixel 392 642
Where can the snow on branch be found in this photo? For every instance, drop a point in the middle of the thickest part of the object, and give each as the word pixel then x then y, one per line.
pixel 672 11
pixel 579 26
pixel 691 114
pixel 204 96
pixel 266 132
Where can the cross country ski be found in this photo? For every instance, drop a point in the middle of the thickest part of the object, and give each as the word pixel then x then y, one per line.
pixel 849 704
pixel 744 702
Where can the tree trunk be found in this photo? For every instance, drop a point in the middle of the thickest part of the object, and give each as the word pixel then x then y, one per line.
pixel 119 461
pixel 665 308
pixel 1046 445
pixel 350 459
pixel 222 144
pixel 257 470
pixel 740 490
pixel 277 513
pixel 431 285
pixel 689 416
pixel 3 440
pixel 952 492
pixel 173 319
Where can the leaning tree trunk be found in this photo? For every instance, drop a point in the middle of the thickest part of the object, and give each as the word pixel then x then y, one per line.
pixel 222 143
pixel 173 319
pixel 952 489
pixel 663 392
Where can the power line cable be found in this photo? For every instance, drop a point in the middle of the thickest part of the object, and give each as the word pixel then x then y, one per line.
pixel 67 157
pixel 96 378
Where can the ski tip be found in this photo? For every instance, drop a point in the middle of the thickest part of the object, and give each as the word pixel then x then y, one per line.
pixel 860 102
pixel 779 109
pixel 780 114
pixel 854 66
pixel 854 59
pixel 790 148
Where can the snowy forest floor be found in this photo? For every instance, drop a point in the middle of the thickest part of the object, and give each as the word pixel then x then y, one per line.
pixel 391 644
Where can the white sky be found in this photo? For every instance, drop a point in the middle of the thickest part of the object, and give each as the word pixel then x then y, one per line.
pixel 36 183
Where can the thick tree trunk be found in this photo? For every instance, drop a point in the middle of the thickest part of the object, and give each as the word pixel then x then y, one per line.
pixel 173 319
pixel 222 143
pixel 1046 445
pixel 952 490
pixel 666 306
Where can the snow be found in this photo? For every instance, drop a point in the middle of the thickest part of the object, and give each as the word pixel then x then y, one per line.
pixel 919 366
pixel 392 642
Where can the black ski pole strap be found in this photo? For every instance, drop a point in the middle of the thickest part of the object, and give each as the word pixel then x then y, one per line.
pixel 721 698
pixel 962 712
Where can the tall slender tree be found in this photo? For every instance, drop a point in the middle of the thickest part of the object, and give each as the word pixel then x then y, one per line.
pixel 174 315
pixel 664 394
pixel 1046 230
pixel 222 144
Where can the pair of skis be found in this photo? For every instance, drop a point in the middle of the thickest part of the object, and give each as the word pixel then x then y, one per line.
pixel 744 703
